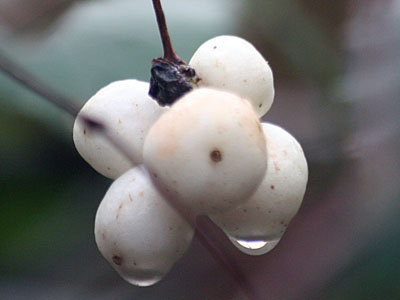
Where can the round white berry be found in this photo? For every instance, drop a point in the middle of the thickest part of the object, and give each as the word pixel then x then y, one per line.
pixel 207 151
pixel 127 112
pixel 231 63
pixel 267 213
pixel 137 231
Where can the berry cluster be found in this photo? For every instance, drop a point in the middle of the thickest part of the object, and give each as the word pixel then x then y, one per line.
pixel 207 153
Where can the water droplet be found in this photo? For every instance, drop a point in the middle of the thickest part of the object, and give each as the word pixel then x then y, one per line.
pixel 142 277
pixel 256 247
pixel 143 282
pixel 253 245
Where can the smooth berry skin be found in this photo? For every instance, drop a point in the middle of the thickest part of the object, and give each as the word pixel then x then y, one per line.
pixel 232 64
pixel 207 152
pixel 268 212
pixel 137 231
pixel 127 113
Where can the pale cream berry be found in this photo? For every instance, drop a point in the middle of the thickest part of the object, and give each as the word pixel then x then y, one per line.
pixel 137 231
pixel 267 213
pixel 127 112
pixel 231 63
pixel 207 151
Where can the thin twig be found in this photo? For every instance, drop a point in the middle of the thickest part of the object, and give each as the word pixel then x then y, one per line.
pixel 30 82
pixel 27 80
pixel 169 52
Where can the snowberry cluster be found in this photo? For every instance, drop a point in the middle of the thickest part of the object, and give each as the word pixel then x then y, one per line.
pixel 207 153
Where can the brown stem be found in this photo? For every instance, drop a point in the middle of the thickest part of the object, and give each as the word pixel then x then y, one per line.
pixel 169 53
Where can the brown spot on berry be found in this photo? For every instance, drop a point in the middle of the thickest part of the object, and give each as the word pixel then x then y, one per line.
pixel 84 131
pixel 215 47
pixel 260 105
pixel 216 155
pixel 117 260
pixel 119 210
pixel 130 197
pixel 272 187
pixel 103 235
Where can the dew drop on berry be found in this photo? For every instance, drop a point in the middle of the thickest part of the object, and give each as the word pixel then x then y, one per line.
pixel 143 278
pixel 256 247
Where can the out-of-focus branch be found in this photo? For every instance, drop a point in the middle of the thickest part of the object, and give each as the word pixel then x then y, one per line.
pixel 28 81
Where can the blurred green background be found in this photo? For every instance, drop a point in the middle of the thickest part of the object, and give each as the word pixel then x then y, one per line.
pixel 336 66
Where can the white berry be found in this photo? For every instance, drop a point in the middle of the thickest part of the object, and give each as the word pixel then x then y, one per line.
pixel 267 213
pixel 207 151
pixel 231 63
pixel 137 231
pixel 127 112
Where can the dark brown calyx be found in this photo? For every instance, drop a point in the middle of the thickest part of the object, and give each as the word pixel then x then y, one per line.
pixel 171 77
pixel 170 81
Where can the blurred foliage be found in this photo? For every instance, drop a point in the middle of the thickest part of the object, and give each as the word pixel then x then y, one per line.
pixel 97 42
pixel 374 274
pixel 300 47
pixel 39 182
